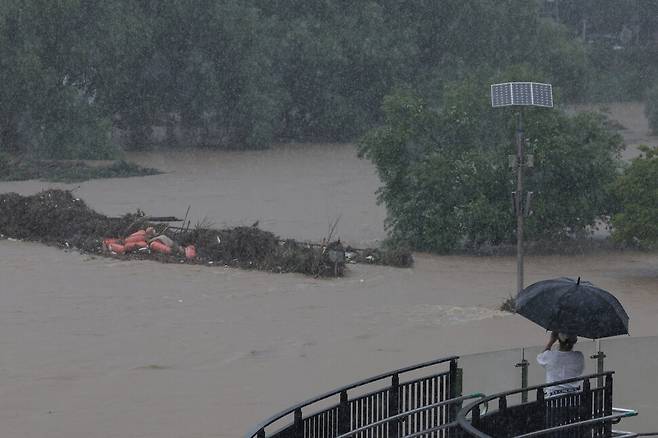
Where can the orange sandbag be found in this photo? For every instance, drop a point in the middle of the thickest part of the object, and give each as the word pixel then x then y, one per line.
pixel 160 247
pixel 117 248
pixel 134 246
pixel 137 236
pixel 190 252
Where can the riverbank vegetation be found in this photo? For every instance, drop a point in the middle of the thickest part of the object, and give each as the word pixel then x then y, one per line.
pixel 67 171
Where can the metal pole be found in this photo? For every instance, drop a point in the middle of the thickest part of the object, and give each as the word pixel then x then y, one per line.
pixel 519 202
pixel 600 365
pixel 524 375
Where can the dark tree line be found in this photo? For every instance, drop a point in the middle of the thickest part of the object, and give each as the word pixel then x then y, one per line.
pixel 244 73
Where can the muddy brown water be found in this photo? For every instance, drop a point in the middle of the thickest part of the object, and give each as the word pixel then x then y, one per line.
pixel 95 347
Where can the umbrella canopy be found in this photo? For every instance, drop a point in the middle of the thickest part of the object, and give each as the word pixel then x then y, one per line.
pixel 573 307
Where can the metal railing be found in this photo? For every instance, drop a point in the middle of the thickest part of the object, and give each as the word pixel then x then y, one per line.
pixel 586 412
pixel 404 415
pixel 405 405
pixel 402 408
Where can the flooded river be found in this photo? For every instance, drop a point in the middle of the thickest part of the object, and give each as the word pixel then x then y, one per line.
pixel 95 347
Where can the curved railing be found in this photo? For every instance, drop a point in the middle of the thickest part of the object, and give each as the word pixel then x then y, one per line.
pixel 403 407
pixel 585 412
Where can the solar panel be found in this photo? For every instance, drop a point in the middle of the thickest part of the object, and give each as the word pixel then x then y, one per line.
pixel 521 93
pixel 542 95
pixel 501 94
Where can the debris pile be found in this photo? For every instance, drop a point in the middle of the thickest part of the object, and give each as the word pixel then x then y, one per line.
pixel 57 217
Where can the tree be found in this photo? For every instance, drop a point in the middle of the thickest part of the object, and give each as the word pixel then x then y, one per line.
pixel 47 106
pixel 204 64
pixel 246 73
pixel 636 191
pixel 446 183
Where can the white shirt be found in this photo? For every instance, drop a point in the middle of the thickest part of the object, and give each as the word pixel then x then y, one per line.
pixel 561 365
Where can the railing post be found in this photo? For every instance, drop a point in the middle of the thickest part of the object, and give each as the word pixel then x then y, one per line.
pixel 586 411
pixel 454 391
pixel 343 414
pixel 503 422
pixel 502 403
pixel 453 379
pixel 394 406
pixel 607 407
pixel 475 416
pixel 298 424
pixel 541 409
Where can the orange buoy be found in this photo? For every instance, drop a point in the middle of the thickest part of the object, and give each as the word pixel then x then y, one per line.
pixel 137 236
pixel 108 241
pixel 116 247
pixel 134 246
pixel 160 247
pixel 190 252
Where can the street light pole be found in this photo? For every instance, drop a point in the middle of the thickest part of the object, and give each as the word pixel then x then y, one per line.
pixel 521 94
pixel 520 162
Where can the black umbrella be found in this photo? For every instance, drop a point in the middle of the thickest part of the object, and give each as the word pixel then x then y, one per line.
pixel 573 307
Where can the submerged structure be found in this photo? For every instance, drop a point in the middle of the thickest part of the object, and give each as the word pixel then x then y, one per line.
pixel 426 400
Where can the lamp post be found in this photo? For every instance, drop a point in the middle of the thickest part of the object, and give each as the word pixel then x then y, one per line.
pixel 521 94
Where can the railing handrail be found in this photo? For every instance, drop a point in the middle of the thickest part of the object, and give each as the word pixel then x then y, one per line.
pixel 411 412
pixel 577 423
pixel 467 426
pixel 253 432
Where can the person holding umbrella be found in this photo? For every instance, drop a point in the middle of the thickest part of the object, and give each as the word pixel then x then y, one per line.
pixel 570 308
pixel 560 364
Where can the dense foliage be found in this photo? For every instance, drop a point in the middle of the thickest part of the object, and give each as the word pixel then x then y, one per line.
pixel 242 73
pixel 446 180
pixel 619 39
pixel 637 194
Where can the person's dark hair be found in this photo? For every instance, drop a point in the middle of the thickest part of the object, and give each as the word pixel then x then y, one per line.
pixel 566 341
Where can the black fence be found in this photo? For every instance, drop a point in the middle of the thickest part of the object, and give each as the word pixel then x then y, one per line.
pixel 404 406
pixel 430 406
pixel 587 412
